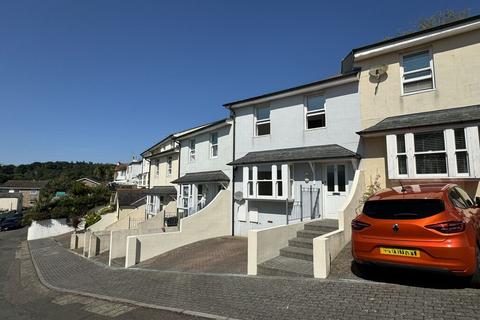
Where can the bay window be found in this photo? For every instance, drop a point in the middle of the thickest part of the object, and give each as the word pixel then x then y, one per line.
pixel 461 153
pixel 266 181
pixel 430 153
pixel 440 153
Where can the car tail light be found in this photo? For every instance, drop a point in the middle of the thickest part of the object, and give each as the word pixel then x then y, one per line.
pixel 448 227
pixel 358 225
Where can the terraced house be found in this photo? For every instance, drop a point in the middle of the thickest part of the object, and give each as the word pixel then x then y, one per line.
pixel 296 152
pixel 204 156
pixel 420 106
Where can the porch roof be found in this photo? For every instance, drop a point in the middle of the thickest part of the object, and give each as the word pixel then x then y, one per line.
pixel 162 190
pixel 324 152
pixel 470 114
pixel 205 176
pixel 130 197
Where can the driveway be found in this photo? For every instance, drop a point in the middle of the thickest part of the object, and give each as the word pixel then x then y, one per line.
pixel 22 296
pixel 245 297
pixel 217 255
pixel 343 268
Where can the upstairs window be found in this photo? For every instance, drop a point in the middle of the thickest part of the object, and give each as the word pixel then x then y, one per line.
pixel 430 153
pixel 316 112
pixel 263 121
pixel 214 145
pixel 169 166
pixel 417 72
pixel 192 150
pixel 157 167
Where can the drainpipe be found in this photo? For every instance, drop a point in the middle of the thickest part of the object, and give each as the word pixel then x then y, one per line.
pixel 232 113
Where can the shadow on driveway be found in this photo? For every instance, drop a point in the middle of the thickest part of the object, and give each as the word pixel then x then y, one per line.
pixel 343 267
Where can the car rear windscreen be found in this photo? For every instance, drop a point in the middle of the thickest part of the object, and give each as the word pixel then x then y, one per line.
pixel 403 209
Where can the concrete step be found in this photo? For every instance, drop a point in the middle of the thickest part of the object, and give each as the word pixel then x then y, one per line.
pixel 310 233
pixel 319 227
pixel 286 267
pixel 297 253
pixel 333 223
pixel 301 243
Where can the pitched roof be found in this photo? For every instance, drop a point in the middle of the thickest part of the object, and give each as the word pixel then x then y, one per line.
pixel 460 115
pixel 24 184
pixel 331 151
pixel 88 179
pixel 164 190
pixel 179 134
pixel 418 33
pixel 130 197
pixel 205 176
pixel 296 88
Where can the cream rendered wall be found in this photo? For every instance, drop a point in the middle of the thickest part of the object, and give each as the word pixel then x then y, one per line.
pixel 162 179
pixel 8 203
pixel 456 68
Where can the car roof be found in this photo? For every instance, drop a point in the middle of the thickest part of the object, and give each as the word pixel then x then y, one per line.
pixel 413 191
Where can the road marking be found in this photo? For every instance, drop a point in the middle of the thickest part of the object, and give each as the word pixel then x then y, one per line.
pixel 99 307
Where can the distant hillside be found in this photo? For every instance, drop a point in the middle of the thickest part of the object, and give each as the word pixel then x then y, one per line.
pixel 57 170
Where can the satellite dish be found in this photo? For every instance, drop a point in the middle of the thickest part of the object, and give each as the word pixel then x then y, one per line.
pixel 378 71
pixel 238 196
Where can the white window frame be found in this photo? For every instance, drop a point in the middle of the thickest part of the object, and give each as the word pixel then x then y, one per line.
pixel 169 165
pixel 462 150
pixel 472 149
pixel 262 121
pixel 403 74
pixel 397 167
pixel 314 112
pixel 444 151
pixel 248 183
pixel 213 145
pixel 336 190
pixel 191 151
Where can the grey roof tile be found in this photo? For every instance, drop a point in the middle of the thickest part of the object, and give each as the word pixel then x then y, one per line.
pixel 330 151
pixel 205 176
pixel 425 119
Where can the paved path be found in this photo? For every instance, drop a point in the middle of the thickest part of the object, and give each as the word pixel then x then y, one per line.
pixel 23 297
pixel 254 297
pixel 217 255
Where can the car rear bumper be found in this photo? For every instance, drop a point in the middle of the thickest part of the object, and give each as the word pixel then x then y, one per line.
pixel 456 256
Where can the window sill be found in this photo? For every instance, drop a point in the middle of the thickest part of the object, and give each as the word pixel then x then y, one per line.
pixel 265 198
pixel 316 129
pixel 262 136
pixel 417 92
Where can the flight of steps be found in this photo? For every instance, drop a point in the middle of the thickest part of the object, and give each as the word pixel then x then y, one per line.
pixel 297 259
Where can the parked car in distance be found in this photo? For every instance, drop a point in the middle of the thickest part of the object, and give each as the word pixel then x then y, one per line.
pixel 429 227
pixel 11 223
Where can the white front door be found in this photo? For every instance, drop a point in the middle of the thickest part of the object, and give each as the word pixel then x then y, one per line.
pixel 335 189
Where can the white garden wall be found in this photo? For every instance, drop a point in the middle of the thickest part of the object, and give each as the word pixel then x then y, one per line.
pixel 48 228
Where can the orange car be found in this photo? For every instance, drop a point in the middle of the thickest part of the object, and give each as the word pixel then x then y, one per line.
pixel 431 227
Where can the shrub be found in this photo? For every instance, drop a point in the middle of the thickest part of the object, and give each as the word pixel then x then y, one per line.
pixel 91 218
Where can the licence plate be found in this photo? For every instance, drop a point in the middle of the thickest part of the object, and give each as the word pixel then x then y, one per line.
pixel 400 252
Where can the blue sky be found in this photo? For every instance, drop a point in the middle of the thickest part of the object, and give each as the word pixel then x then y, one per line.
pixel 101 80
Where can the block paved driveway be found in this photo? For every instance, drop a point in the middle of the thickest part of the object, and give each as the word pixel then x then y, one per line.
pixel 217 255
pixel 23 297
pixel 246 297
